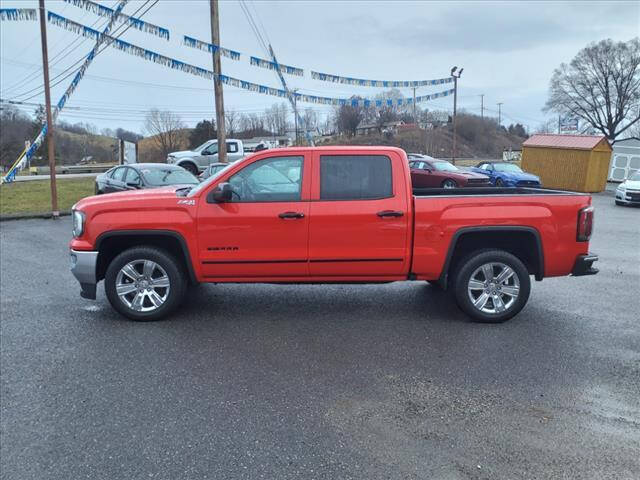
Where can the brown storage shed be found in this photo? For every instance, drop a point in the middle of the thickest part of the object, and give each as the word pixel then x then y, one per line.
pixel 568 162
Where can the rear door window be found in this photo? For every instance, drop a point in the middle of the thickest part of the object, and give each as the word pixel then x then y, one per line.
pixel 355 177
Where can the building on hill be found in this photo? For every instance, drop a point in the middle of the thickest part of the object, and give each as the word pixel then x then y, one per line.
pixel 569 162
pixel 370 128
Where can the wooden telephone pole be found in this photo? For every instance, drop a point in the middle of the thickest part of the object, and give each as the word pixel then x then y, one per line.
pixel 217 84
pixel 47 97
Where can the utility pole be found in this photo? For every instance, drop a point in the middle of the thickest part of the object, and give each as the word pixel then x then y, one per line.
pixel 500 114
pixel 295 111
pixel 47 98
pixel 415 117
pixel 559 124
pixel 455 107
pixel 217 84
pixel 482 106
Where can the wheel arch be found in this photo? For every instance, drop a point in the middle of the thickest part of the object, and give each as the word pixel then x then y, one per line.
pixel 110 244
pixel 184 161
pixel 524 242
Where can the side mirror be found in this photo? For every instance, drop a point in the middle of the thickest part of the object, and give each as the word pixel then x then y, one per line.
pixel 222 193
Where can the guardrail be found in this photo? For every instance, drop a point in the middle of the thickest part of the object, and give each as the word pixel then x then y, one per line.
pixel 64 169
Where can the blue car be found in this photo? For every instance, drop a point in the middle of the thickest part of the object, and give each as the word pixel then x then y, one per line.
pixel 505 174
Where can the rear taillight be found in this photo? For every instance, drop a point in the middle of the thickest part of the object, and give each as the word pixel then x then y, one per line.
pixel 585 224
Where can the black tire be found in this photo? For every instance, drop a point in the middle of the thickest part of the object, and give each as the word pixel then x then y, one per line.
pixel 472 263
pixel 175 272
pixel 435 284
pixel 449 183
pixel 499 182
pixel 190 167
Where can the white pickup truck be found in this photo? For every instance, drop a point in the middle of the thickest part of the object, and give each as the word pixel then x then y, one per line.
pixel 198 159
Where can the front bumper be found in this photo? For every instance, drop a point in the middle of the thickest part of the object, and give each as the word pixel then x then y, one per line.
pixel 628 198
pixel 83 267
pixel 584 265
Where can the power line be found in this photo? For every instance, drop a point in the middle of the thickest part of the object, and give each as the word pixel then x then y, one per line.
pixel 60 80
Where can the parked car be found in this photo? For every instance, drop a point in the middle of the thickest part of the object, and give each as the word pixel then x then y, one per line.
pixel 200 158
pixel 628 192
pixel 440 173
pixel 142 175
pixel 212 170
pixel 326 215
pixel 505 174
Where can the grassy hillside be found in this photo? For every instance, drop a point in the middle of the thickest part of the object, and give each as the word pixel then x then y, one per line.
pixel 148 150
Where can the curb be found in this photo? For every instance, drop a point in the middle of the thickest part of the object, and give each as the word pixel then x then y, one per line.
pixel 29 216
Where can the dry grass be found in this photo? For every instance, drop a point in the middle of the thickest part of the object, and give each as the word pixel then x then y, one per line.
pixel 35 196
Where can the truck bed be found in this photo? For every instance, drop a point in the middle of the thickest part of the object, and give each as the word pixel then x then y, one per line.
pixel 488 191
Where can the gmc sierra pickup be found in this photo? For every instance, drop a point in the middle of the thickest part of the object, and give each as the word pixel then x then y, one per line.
pixel 328 215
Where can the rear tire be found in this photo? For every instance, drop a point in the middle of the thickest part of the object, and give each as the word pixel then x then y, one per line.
pixel 448 183
pixel 491 286
pixel 145 283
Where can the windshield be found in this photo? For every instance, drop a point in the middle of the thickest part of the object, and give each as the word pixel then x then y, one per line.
pixel 207 182
pixel 444 167
pixel 158 177
pixel 200 147
pixel 635 177
pixel 507 167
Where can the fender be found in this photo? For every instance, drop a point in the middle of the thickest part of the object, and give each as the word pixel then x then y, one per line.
pixel 153 233
pixel 539 275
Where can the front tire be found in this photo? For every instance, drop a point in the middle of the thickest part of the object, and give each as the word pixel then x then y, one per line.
pixel 499 182
pixel 145 283
pixel 191 168
pixel 448 183
pixel 491 286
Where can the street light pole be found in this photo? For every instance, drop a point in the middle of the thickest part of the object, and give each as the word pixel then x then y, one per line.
pixel 47 98
pixel 295 112
pixel 455 108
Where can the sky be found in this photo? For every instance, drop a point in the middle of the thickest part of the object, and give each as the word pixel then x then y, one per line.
pixel 508 51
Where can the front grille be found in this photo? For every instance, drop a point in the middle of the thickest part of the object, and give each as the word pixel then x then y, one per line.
pixel 478 180
pixel 528 183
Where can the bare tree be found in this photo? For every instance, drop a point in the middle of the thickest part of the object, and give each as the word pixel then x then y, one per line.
pixel 601 85
pixel 276 118
pixel 165 128
pixel 232 121
pixel 348 117
pixel 310 119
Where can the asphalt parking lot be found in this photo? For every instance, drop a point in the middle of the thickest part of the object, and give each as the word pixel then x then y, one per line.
pixel 315 382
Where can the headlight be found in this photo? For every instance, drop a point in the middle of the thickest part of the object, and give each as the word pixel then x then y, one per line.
pixel 171 159
pixel 622 187
pixel 78 223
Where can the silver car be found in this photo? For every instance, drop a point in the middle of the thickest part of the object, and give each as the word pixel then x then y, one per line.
pixel 628 192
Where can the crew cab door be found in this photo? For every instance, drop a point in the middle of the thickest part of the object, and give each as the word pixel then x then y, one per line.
pixel 263 231
pixel 359 215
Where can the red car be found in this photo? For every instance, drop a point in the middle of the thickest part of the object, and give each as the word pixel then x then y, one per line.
pixel 432 173
pixel 327 215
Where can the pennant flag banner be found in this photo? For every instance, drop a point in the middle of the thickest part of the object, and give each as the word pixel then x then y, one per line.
pixel 209 47
pixel 259 62
pixel 103 11
pixel 234 82
pixel 359 82
pixel 18 14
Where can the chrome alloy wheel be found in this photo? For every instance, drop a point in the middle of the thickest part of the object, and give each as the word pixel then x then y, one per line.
pixel 142 285
pixel 493 288
pixel 449 184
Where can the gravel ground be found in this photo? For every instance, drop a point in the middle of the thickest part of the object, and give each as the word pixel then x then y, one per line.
pixel 311 382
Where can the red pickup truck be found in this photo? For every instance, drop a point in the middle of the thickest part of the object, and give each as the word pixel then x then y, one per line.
pixel 328 215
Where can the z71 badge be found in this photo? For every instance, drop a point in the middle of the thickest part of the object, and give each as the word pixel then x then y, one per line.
pixel 186 202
